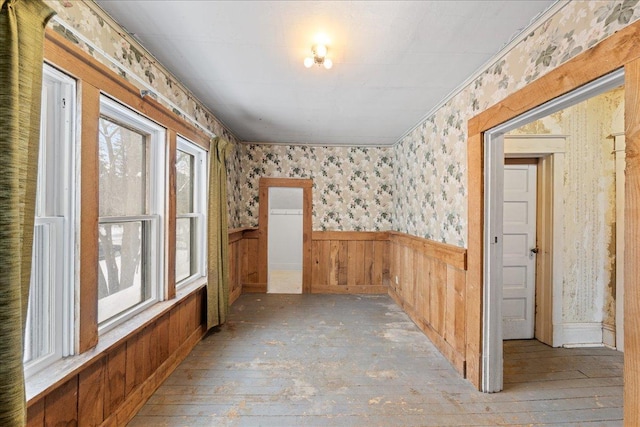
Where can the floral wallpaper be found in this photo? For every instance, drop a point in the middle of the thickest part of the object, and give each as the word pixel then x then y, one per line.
pixel 419 185
pixel 97 34
pixel 351 185
pixel 429 189
pixel 235 179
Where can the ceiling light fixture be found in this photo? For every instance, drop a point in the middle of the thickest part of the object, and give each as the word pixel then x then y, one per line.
pixel 319 57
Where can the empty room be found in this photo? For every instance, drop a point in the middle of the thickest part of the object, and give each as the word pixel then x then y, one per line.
pixel 320 213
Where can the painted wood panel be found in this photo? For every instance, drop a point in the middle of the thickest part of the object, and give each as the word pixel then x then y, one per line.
pixel 428 282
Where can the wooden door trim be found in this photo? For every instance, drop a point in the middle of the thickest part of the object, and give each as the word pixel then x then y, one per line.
pixel 263 227
pixel 622 49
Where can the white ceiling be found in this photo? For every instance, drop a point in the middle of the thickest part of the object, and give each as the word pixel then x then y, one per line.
pixel 393 60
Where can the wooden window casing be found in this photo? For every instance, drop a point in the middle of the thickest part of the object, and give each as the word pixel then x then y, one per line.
pixel 94 79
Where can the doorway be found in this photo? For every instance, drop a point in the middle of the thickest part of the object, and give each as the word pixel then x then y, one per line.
pixel 548 152
pixel 264 228
pixel 285 240
pixel 495 240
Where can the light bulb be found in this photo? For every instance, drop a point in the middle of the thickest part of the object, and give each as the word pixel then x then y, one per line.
pixel 328 63
pixel 308 62
pixel 321 50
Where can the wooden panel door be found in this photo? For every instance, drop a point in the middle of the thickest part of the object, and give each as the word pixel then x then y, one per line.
pixel 519 253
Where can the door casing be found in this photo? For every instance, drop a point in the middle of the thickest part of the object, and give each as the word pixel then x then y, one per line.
pixel 491 361
pixel 263 228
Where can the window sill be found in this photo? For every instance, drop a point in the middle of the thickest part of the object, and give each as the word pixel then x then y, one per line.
pixel 41 383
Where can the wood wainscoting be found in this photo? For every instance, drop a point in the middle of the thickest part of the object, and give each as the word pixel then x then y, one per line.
pixel 243 262
pixel 426 278
pixel 428 281
pixel 114 380
pixel 349 262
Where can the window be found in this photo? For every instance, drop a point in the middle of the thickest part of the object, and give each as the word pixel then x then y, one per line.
pixel 131 211
pixel 191 198
pixel 49 329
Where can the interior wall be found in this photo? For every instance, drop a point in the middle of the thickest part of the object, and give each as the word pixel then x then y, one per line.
pixel 418 187
pixel 351 185
pixel 430 188
pixel 85 25
pixel 589 256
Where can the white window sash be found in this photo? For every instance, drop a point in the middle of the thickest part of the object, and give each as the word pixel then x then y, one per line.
pixel 156 193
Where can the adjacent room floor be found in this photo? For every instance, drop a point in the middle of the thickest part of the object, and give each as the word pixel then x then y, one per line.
pixel 343 360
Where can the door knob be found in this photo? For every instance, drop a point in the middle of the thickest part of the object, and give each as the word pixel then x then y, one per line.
pixel 534 250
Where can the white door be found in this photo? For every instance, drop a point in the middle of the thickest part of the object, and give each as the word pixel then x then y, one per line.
pixel 519 252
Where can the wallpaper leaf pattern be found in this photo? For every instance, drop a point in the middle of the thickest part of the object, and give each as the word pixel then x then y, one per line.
pixel 351 187
pixel 419 186
pixel 112 44
pixel 430 163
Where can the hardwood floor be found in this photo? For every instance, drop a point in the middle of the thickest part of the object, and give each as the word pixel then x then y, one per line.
pixel 347 360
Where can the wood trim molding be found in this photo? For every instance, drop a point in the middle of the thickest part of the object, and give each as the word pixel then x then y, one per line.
pixel 286 182
pixel 62 54
pixel 350 235
pixel 94 79
pixel 631 246
pixel 452 255
pixel 236 234
pixel 605 57
pixel 263 229
pixel 65 369
pixel 171 215
pixel 88 251
pixel 620 49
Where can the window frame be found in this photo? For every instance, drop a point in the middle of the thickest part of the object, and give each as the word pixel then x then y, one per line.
pixel 156 192
pixel 56 220
pixel 199 213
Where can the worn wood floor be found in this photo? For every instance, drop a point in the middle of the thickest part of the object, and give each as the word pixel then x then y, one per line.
pixel 342 360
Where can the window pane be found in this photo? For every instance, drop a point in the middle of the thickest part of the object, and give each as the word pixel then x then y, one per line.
pixel 123 170
pixel 184 183
pixel 184 248
pixel 40 320
pixel 121 273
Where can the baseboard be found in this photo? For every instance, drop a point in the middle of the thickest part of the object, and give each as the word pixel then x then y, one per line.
pixel 580 334
pixel 609 335
pixel 251 288
pixel 233 296
pixel 351 290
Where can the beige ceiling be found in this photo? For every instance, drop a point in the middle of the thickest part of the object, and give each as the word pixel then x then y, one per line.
pixel 393 60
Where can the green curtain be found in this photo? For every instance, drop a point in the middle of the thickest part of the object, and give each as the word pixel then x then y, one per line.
pixel 218 239
pixel 22 25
